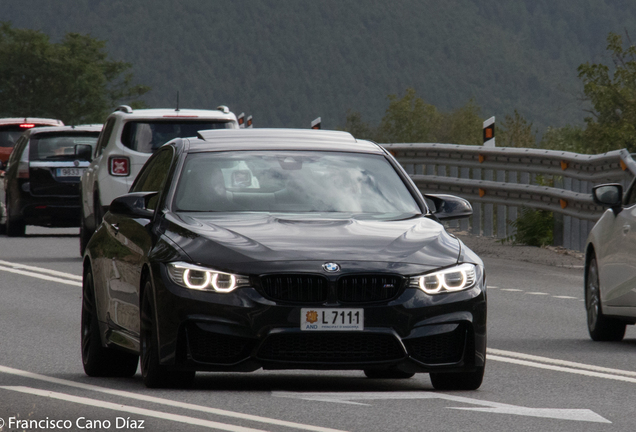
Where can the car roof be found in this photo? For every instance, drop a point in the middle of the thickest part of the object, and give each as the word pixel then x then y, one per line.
pixel 173 114
pixel 71 129
pixel 279 139
pixel 20 120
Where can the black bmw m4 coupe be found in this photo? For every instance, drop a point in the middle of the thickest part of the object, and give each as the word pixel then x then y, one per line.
pixel 281 249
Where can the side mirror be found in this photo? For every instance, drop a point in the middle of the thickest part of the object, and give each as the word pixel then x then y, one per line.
pixel 84 152
pixel 133 204
pixel 448 207
pixel 609 195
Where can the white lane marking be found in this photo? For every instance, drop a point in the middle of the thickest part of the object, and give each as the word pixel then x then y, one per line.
pixel 566 297
pixel 40 270
pixel 537 293
pixel 131 409
pixel 559 362
pixel 511 289
pixel 152 399
pixel 41 276
pixel 561 414
pixel 495 287
pixel 561 368
pixel 492 407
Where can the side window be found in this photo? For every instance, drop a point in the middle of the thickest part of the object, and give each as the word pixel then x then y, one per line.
pixel 104 137
pixel 17 151
pixel 630 196
pixel 154 174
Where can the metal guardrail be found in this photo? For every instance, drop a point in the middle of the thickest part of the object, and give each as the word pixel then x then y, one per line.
pixel 497 181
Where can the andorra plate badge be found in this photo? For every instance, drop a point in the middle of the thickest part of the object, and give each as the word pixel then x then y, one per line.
pixel 331 319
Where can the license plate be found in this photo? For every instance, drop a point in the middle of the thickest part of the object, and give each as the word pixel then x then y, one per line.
pixel 70 172
pixel 336 319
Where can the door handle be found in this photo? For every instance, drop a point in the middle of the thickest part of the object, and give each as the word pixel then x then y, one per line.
pixel 115 227
pixel 626 229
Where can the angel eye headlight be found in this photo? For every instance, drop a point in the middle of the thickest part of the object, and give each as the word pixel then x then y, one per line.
pixel 206 279
pixel 456 278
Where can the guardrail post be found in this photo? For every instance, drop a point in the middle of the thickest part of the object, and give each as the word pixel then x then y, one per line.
pixel 512 211
pixel 476 220
pixel 464 173
pixel 584 187
pixel 488 210
pixel 576 222
pixel 558 233
pixel 567 220
pixel 452 172
pixel 501 209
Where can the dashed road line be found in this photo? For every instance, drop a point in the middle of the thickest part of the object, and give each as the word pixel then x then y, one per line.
pixel 538 293
pixel 543 362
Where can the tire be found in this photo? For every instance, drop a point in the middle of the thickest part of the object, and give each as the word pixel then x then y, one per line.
pixel 15 224
pixel 100 361
pixel 98 214
pixel 387 374
pixel 84 235
pixel 600 327
pixel 153 373
pixel 458 381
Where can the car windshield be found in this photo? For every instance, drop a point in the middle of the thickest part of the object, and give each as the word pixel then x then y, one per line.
pixel 9 135
pixel 59 146
pixel 293 182
pixel 148 136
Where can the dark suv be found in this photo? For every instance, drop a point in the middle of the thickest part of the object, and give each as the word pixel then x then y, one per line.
pixel 41 182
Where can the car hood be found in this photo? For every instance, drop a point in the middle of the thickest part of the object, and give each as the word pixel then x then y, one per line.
pixel 223 239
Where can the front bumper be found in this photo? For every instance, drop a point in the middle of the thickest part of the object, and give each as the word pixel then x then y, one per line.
pixel 245 331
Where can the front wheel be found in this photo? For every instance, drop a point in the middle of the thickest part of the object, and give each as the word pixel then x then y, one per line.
pixel 84 234
pixel 154 374
pixel 15 225
pixel 600 327
pixel 458 381
pixel 100 361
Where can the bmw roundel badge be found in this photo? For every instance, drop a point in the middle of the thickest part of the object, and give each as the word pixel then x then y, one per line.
pixel 331 267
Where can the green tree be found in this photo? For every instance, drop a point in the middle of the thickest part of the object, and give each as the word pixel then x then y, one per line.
pixel 461 126
pixel 515 131
pixel 612 93
pixel 72 80
pixel 358 127
pixel 567 138
pixel 408 119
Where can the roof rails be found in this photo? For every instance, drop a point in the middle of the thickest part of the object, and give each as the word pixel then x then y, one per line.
pixel 125 108
pixel 224 109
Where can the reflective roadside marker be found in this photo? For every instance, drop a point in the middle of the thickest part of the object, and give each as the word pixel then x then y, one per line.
pixel 249 122
pixel 241 120
pixel 489 132
pixel 316 123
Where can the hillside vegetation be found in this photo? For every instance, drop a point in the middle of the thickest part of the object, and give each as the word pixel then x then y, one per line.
pixel 289 61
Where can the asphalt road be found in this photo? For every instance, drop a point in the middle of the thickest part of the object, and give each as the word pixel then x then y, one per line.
pixel 543 371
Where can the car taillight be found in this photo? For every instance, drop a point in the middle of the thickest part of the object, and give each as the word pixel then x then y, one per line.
pixel 27 125
pixel 119 166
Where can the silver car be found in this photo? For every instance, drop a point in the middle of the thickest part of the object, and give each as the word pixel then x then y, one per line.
pixel 610 264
